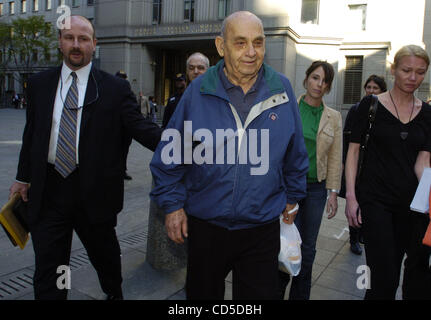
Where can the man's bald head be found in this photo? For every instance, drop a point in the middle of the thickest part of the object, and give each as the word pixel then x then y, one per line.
pixel 236 17
pixel 242 46
pixel 70 19
pixel 77 42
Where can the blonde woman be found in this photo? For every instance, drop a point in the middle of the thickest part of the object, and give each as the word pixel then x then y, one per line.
pixel 398 150
pixel 322 129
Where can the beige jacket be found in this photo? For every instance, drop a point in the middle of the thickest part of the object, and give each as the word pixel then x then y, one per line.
pixel 329 144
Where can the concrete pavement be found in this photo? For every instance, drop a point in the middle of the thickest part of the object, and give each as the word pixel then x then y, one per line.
pixel 334 273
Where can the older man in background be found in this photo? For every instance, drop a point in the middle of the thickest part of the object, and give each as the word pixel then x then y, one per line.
pixel 197 64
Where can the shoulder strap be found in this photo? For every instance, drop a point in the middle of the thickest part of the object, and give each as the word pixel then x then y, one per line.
pixel 372 111
pixel 363 148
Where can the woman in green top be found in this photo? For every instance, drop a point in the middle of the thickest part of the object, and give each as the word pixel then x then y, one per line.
pixel 322 129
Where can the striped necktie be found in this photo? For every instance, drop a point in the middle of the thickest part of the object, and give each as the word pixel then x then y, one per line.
pixel 65 157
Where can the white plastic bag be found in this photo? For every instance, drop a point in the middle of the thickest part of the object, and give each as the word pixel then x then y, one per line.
pixel 289 258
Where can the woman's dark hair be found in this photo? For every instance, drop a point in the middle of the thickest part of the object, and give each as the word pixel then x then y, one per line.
pixel 380 81
pixel 328 69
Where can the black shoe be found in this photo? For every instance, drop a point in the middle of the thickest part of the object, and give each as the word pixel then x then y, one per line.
pixel 127 177
pixel 355 247
pixel 361 237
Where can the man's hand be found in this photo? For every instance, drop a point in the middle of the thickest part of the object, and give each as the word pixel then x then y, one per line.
pixel 289 218
pixel 176 225
pixel 332 205
pixel 21 188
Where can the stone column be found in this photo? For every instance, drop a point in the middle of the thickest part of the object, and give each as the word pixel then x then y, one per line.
pixel 162 252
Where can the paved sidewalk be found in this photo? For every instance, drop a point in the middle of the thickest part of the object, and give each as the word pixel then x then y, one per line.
pixel 334 272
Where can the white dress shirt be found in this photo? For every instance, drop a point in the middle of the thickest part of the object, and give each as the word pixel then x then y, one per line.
pixel 64 84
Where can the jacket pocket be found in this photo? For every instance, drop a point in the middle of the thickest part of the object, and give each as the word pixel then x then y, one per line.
pixel 326 139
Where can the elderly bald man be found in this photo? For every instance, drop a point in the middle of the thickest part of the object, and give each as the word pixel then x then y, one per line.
pixel 225 199
pixel 197 64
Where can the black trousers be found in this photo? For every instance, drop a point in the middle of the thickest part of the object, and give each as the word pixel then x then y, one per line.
pixel 251 255
pixel 389 233
pixel 61 213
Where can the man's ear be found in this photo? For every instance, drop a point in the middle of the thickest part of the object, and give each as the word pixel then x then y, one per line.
pixel 59 45
pixel 219 42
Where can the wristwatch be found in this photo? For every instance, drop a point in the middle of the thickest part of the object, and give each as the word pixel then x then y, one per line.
pixel 335 190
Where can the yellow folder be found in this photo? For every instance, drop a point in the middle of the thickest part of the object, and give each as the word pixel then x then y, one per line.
pixel 17 234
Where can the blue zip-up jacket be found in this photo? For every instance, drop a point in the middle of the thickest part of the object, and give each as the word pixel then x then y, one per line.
pixel 216 178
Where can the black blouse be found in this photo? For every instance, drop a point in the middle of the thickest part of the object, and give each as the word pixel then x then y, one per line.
pixel 388 174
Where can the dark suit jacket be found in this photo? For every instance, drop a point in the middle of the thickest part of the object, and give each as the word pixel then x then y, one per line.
pixel 110 112
pixel 170 108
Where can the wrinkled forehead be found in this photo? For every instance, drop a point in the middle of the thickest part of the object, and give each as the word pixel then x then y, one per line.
pixel 196 61
pixel 244 26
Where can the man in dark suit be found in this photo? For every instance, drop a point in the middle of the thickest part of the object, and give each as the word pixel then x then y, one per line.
pixel 180 87
pixel 72 155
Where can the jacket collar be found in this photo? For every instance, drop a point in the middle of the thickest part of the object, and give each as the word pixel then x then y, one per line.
pixel 92 92
pixel 326 115
pixel 211 83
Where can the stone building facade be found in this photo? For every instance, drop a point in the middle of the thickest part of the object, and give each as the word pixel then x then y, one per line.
pixel 151 39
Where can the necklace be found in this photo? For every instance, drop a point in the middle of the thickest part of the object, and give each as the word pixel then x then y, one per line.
pixel 403 134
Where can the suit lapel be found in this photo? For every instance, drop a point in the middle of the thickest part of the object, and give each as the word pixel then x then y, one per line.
pixel 324 120
pixel 51 85
pixel 91 97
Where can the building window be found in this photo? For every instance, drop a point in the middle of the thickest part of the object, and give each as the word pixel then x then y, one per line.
pixel 75 3
pixel 90 2
pixel 310 11
pixel 1 9
pixel 12 7
pixel 48 4
pixel 353 79
pixel 61 2
pixel 189 10
pixel 223 9
pixel 157 11
pixel 10 82
pixel 358 17
pixel 23 6
pixel 35 5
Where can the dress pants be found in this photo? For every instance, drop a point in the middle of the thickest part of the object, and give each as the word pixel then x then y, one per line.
pixel 251 254
pixel 389 233
pixel 61 213
pixel 308 222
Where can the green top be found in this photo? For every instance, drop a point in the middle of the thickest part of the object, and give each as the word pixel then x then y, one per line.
pixel 310 117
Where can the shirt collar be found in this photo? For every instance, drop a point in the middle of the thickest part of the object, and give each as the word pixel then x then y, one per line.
pixel 82 73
